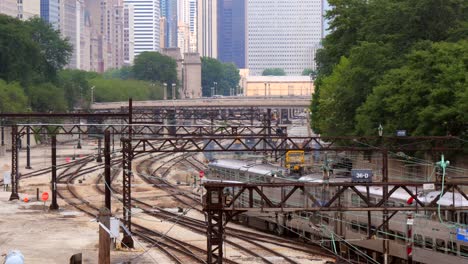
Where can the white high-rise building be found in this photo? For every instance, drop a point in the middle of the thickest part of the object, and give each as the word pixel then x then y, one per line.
pixel 208 28
pixel 21 9
pixel 70 27
pixel 283 34
pixel 192 23
pixel 9 7
pixel 29 9
pixel 146 25
pixel 129 35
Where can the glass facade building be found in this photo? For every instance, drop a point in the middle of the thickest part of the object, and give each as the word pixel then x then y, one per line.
pixel 50 12
pixel 232 31
pixel 283 34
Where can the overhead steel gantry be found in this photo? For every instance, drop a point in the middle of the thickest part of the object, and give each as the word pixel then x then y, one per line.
pixel 131 124
pixel 216 205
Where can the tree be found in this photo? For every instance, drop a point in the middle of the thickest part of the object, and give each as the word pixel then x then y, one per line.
pixel 55 51
pixel 222 76
pixel 12 97
pixel 47 97
pixel 426 96
pixel 370 39
pixel 347 88
pixel 124 73
pixel 308 72
pixel 231 77
pixel 274 72
pixel 113 90
pixel 155 67
pixel 212 72
pixel 76 87
pixel 19 55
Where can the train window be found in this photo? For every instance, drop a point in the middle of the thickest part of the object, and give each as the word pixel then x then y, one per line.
pixel 355 200
pixel 354 226
pixel 440 245
pixel 464 251
pixel 452 248
pixel 401 238
pixel 429 243
pixel 363 228
pixel 463 218
pixel 418 240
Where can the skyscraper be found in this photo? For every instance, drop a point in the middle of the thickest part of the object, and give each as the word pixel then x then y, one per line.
pixel 9 7
pixel 170 8
pixel 283 34
pixel 231 31
pixel 207 32
pixel 29 9
pixel 146 25
pixel 70 14
pixel 50 12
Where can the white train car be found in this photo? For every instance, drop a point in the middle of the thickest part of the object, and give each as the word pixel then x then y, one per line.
pixel 433 241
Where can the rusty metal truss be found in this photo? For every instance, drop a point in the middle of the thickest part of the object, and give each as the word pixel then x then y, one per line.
pixel 282 142
pixel 257 197
pixel 148 129
pixel 127 158
pixel 219 210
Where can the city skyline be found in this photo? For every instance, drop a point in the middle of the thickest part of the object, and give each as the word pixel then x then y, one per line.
pixel 252 34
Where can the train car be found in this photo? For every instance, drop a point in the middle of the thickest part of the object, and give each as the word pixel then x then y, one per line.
pixel 433 241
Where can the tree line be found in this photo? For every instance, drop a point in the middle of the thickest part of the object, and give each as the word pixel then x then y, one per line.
pixel 399 64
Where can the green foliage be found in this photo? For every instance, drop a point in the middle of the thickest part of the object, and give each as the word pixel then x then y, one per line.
pixel 113 90
pixel 309 71
pixel 364 64
pixel 19 55
pixel 428 95
pixel 12 98
pixel 47 97
pixel 76 87
pixel 274 72
pixel 124 73
pixel 223 76
pixel 155 67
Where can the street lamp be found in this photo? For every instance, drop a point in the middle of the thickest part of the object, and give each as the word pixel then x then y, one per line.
pixel 173 91
pixel 92 94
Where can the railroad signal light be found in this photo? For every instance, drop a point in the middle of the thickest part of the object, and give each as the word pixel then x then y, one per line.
pixel 410 200
pixel 201 174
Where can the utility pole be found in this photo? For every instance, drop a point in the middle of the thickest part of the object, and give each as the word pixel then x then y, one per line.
pixel 99 158
pixel 54 205
pixel 107 169
pixel 165 91
pixel 104 237
pixel 14 163
pixel 28 148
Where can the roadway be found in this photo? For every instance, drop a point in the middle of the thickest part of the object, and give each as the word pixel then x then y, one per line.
pixel 279 102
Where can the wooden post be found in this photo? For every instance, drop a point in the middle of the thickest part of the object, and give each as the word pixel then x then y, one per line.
pixel 104 237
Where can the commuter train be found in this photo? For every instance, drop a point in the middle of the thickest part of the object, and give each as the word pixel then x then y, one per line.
pixel 433 241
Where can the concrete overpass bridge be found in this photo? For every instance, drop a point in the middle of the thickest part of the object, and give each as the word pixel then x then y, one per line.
pixel 279 102
pixel 225 108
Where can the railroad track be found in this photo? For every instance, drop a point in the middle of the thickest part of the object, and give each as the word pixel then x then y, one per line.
pixel 177 251
pixel 198 226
